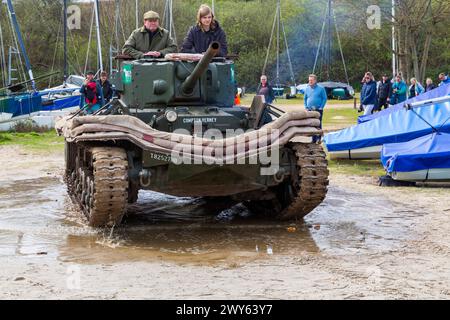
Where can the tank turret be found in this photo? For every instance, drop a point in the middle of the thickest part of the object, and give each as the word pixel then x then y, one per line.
pixel 189 84
pixel 174 81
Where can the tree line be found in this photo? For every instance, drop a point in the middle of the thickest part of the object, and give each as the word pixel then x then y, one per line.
pixel 422 35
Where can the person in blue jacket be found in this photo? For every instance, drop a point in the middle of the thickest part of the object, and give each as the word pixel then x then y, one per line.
pixel 315 99
pixel 399 89
pixel 415 88
pixel 368 93
pixel 444 79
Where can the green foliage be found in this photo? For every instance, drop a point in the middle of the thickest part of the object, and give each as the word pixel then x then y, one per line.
pixel 248 24
pixel 27 125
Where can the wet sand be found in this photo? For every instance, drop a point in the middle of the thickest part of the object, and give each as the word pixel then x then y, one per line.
pixel 363 242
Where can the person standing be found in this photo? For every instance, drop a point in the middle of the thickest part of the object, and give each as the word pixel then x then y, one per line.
pixel 266 90
pixel 415 88
pixel 430 86
pixel 384 92
pixel 206 31
pixel 92 94
pixel 315 99
pixel 106 87
pixel 150 40
pixel 444 79
pixel 399 89
pixel 368 93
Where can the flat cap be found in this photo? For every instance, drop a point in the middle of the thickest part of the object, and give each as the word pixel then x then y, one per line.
pixel 151 15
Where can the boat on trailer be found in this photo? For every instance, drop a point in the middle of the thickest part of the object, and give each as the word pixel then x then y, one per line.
pixel 425 159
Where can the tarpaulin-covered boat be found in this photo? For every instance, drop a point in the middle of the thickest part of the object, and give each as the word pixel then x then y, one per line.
pixel 365 140
pixel 426 158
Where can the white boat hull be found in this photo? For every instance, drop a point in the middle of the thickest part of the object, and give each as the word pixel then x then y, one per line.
pixel 422 175
pixel 4 116
pixel 357 154
pixel 41 118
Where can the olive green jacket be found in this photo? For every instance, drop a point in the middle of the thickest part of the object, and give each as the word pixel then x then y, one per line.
pixel 139 43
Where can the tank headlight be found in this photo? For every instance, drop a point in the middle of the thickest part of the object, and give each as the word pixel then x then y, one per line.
pixel 171 116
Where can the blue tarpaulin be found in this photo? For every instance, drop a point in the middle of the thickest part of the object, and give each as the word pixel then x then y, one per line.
pixel 428 152
pixel 62 103
pixel 443 90
pixel 21 104
pixel 401 126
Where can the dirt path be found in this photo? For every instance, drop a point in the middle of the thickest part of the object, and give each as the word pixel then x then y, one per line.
pixel 363 242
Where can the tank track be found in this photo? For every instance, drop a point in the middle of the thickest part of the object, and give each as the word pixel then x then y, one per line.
pixel 312 182
pixel 302 193
pixel 100 187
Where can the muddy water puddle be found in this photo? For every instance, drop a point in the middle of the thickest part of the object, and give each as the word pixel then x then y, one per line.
pixel 38 220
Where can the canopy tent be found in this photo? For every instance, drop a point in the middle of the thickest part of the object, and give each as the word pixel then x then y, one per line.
pixel 331 88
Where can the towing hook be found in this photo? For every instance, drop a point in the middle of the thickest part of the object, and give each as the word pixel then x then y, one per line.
pixel 144 177
pixel 279 176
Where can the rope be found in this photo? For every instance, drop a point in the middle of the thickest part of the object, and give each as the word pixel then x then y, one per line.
pixel 288 54
pixel 89 42
pixel 3 60
pixel 320 40
pixel 340 48
pixel 17 51
pixel 270 43
pixel 123 31
pixel 56 50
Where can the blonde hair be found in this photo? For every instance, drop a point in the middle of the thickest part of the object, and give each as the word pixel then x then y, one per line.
pixel 313 76
pixel 203 11
pixel 368 73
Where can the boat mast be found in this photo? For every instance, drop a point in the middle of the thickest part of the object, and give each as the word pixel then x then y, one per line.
pixel 65 42
pixel 99 43
pixel 137 14
pixel 278 43
pixel 394 63
pixel 21 44
pixel 168 19
pixel 3 59
pixel 328 51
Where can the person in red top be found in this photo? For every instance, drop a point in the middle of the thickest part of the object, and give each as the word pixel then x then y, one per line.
pixel 92 92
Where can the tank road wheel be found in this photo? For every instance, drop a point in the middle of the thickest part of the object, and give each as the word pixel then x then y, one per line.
pixel 299 195
pixel 100 186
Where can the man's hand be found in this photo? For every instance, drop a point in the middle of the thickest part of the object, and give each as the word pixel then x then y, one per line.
pixel 155 54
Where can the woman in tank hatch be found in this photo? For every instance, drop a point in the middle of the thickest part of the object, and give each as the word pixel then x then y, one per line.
pixel 206 31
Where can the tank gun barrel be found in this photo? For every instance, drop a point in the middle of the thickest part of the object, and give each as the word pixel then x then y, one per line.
pixel 189 84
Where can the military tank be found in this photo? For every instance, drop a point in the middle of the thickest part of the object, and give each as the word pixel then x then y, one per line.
pixel 174 129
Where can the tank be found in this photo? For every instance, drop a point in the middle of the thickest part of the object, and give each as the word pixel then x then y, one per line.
pixel 173 129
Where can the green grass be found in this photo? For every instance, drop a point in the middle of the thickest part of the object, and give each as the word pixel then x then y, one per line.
pixel 369 168
pixel 339 118
pixel 44 142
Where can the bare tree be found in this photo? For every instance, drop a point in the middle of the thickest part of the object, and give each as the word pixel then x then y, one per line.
pixel 415 23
